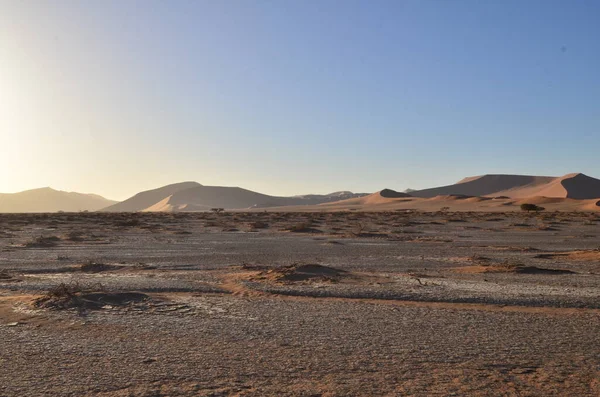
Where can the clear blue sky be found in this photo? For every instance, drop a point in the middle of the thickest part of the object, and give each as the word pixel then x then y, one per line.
pixel 290 97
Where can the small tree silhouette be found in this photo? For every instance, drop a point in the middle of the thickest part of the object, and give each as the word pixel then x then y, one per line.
pixel 531 207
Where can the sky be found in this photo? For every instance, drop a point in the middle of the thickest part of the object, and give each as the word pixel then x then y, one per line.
pixel 294 97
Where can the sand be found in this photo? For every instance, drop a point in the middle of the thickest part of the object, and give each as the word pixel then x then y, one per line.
pixel 576 186
pixel 572 192
pixel 484 185
pixel 203 304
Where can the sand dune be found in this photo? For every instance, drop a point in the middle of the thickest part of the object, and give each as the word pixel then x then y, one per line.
pixel 591 205
pixel 169 204
pixel 484 185
pixel 203 198
pixel 450 204
pixel 454 202
pixel 384 196
pixel 540 200
pixel 149 198
pixel 478 193
pixel 450 197
pixel 576 186
pixel 191 196
pixel 331 197
pixel 389 193
pixel 50 200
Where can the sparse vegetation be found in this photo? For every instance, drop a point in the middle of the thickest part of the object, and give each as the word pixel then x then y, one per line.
pixel 128 223
pixel 531 207
pixel 95 267
pixel 259 225
pixel 75 235
pixel 201 287
pixel 81 297
pixel 43 242
pixel 6 276
pixel 62 296
pixel 303 227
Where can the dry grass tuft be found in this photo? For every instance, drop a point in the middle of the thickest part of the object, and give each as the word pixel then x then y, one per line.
pixel 74 295
pixel 43 242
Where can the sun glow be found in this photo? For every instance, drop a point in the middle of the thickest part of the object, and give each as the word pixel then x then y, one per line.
pixel 17 128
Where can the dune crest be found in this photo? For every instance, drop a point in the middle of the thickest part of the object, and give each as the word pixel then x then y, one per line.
pixel 149 198
pixel 484 185
pixel 192 196
pixel 492 192
pixel 576 186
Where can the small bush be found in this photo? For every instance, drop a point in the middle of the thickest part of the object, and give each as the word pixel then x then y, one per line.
pixel 128 223
pixel 303 227
pixel 42 242
pixel 75 236
pixel 531 207
pixel 259 225
pixel 85 297
pixel 61 296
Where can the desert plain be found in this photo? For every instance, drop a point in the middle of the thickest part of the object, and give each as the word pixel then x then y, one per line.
pixel 268 303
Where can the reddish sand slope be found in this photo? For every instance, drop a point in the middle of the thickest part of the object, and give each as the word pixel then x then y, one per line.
pixel 575 186
pixel 149 198
pixel 484 185
pixel 384 196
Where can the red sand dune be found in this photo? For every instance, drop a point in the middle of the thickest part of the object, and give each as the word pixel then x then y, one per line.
pixel 576 186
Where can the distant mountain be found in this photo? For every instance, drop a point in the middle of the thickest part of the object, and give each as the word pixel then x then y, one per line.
pixel 148 198
pixel 191 196
pixel 576 186
pixel 50 200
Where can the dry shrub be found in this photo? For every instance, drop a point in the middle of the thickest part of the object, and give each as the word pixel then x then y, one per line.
pixel 128 223
pixel 43 242
pixel 74 295
pixel 259 225
pixel 94 267
pixel 63 296
pixel 6 276
pixel 75 235
pixel 303 227
pixel 302 273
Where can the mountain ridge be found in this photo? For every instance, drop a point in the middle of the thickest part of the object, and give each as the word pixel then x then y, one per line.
pixel 47 199
pixel 193 196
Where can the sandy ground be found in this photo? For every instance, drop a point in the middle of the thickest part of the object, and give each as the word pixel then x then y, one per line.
pixel 300 304
pixel 381 202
